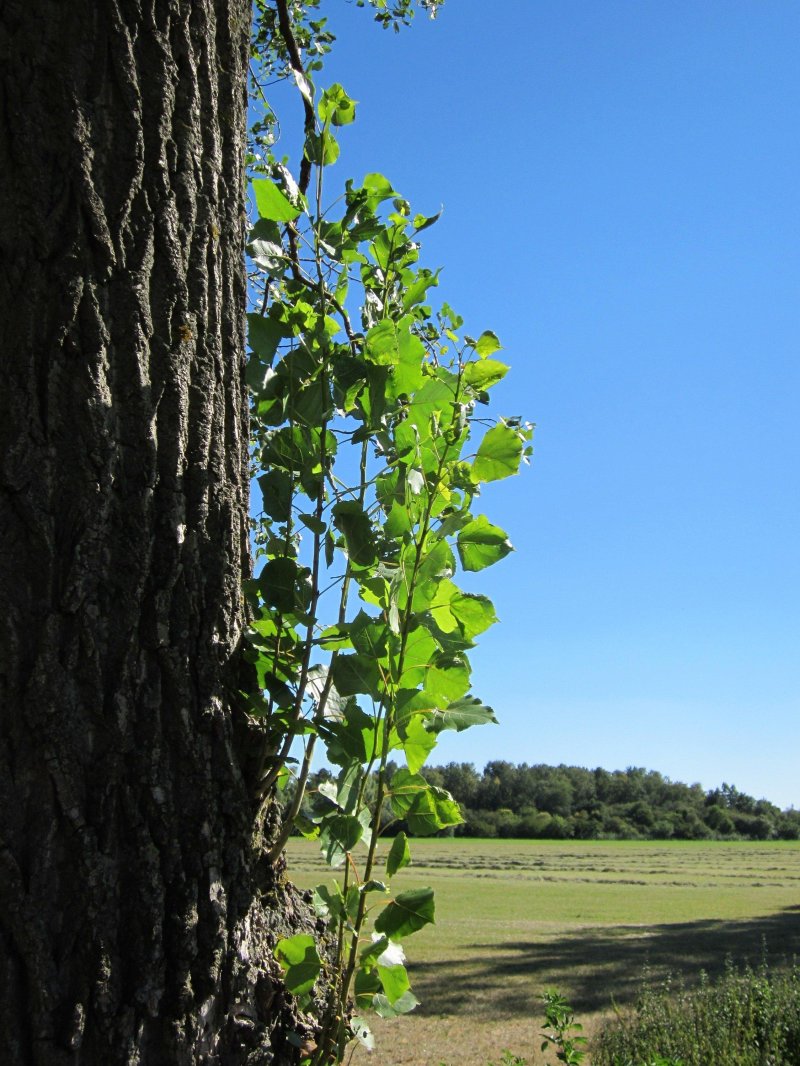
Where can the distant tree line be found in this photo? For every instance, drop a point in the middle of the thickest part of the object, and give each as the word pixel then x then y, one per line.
pixel 571 802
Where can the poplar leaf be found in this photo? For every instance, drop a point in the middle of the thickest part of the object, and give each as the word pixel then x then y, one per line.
pixel 272 202
pixel 403 1005
pixel 461 714
pixel 485 374
pixel 499 454
pixel 339 833
pixel 300 962
pixel 407 913
pixel 487 343
pixel 394 981
pixel 399 855
pixel 417 743
pixel 336 107
pixel 480 544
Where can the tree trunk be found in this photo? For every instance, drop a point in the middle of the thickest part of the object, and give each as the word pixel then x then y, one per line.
pixel 135 923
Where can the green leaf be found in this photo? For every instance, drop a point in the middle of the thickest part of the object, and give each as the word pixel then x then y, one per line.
pixel 381 343
pixel 334 638
pixel 352 738
pixel 487 343
pixel 353 522
pixel 415 293
pixel 436 396
pixel 422 222
pixel 272 202
pixel 264 334
pixel 366 987
pixel 405 787
pixel 347 786
pixel 370 953
pixel 339 833
pixel 480 544
pixel 306 828
pixel 276 487
pixel 377 189
pixel 425 808
pixel 407 913
pixel 399 855
pixel 473 613
pixel 461 715
pixel 356 674
pixel 417 742
pixel 394 980
pixel 433 810
pixel 448 678
pixel 499 454
pixel 310 521
pixel 369 636
pixel 385 1009
pixel 328 901
pixel 300 962
pixel 374 886
pixel 410 702
pixel 485 374
pixel 420 649
pixel 322 149
pixel 336 107
pixel 278 584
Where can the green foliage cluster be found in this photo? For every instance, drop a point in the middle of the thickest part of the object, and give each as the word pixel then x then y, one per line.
pixel 748 1017
pixel 370 447
pixel 571 802
pixel 561 1032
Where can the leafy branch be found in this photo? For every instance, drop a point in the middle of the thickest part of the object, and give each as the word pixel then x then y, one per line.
pixel 370 451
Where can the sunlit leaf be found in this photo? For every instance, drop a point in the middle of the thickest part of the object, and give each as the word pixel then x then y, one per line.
pixel 399 855
pixel 300 962
pixel 339 833
pixel 394 981
pixel 385 1009
pixel 460 715
pixel 487 344
pixel 336 107
pixel 480 544
pixel 322 148
pixel 272 202
pixel 473 613
pixel 485 374
pixel 417 743
pixel 425 808
pixel 407 913
pixel 499 454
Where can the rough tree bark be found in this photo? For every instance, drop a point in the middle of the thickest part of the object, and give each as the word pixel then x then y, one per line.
pixel 136 917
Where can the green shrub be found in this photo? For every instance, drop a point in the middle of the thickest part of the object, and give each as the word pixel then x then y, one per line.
pixel 745 1018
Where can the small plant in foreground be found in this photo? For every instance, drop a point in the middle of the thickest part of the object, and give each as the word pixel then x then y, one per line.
pixel 561 1031
pixel 509 1059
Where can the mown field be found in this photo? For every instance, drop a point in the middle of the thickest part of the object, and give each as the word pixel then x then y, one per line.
pixel 516 917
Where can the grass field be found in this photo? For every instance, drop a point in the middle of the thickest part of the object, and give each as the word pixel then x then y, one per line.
pixel 516 917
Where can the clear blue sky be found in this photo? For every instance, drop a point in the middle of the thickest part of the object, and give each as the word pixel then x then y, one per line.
pixel 620 183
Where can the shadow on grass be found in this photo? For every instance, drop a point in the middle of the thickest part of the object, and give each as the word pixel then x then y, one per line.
pixel 593 965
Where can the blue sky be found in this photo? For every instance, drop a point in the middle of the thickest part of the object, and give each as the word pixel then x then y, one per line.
pixel 620 191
